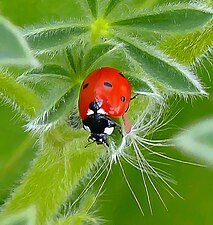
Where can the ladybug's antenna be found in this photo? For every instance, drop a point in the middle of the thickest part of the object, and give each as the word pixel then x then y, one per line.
pixel 106 143
pixel 127 124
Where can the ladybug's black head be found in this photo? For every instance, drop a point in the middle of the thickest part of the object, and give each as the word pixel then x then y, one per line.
pixel 100 126
pixel 95 106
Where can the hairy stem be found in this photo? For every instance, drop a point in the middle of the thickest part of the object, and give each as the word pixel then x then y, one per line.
pixel 53 176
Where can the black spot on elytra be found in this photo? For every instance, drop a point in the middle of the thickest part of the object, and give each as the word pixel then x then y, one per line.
pixel 121 74
pixel 107 84
pixel 123 98
pixel 85 85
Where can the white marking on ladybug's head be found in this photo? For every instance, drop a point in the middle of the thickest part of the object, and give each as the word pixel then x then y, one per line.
pixel 90 112
pixel 86 128
pixel 101 111
pixel 109 130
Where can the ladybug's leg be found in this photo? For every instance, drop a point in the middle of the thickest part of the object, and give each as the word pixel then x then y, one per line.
pixel 127 123
pixel 115 125
pixel 106 143
pixel 90 140
pixel 86 128
pixel 112 123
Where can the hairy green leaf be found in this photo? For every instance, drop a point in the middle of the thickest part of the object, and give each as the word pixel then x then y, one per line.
pixel 20 96
pixel 50 83
pixel 111 5
pixel 72 61
pixel 64 107
pixel 75 58
pixel 50 69
pixel 93 7
pixel 157 65
pixel 55 36
pixel 197 140
pixel 14 50
pixel 97 53
pixel 139 86
pixel 174 18
pixel 190 47
pixel 114 58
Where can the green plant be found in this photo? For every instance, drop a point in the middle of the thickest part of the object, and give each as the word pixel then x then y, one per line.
pixel 68 51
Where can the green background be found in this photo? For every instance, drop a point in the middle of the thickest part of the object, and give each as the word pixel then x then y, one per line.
pixel 116 205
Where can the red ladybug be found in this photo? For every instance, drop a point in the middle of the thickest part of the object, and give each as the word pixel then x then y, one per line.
pixel 104 94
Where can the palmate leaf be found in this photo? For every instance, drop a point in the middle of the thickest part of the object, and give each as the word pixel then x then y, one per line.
pixel 197 140
pixel 54 36
pixel 14 50
pixel 63 160
pixel 19 96
pixel 172 19
pixel 173 76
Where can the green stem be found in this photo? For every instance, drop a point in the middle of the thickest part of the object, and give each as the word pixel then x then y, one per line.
pixel 76 219
pixel 56 172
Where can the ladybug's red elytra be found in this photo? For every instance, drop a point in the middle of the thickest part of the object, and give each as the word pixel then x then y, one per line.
pixel 104 94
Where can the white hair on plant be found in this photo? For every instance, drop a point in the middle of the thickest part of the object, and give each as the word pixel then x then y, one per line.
pixel 200 61
pixel 37 125
pixel 164 7
pixel 147 123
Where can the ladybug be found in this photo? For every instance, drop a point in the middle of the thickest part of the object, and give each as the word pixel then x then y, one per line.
pixel 104 94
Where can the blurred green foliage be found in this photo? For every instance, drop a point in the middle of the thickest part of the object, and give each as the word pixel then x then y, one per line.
pixel 17 149
pixel 195 184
